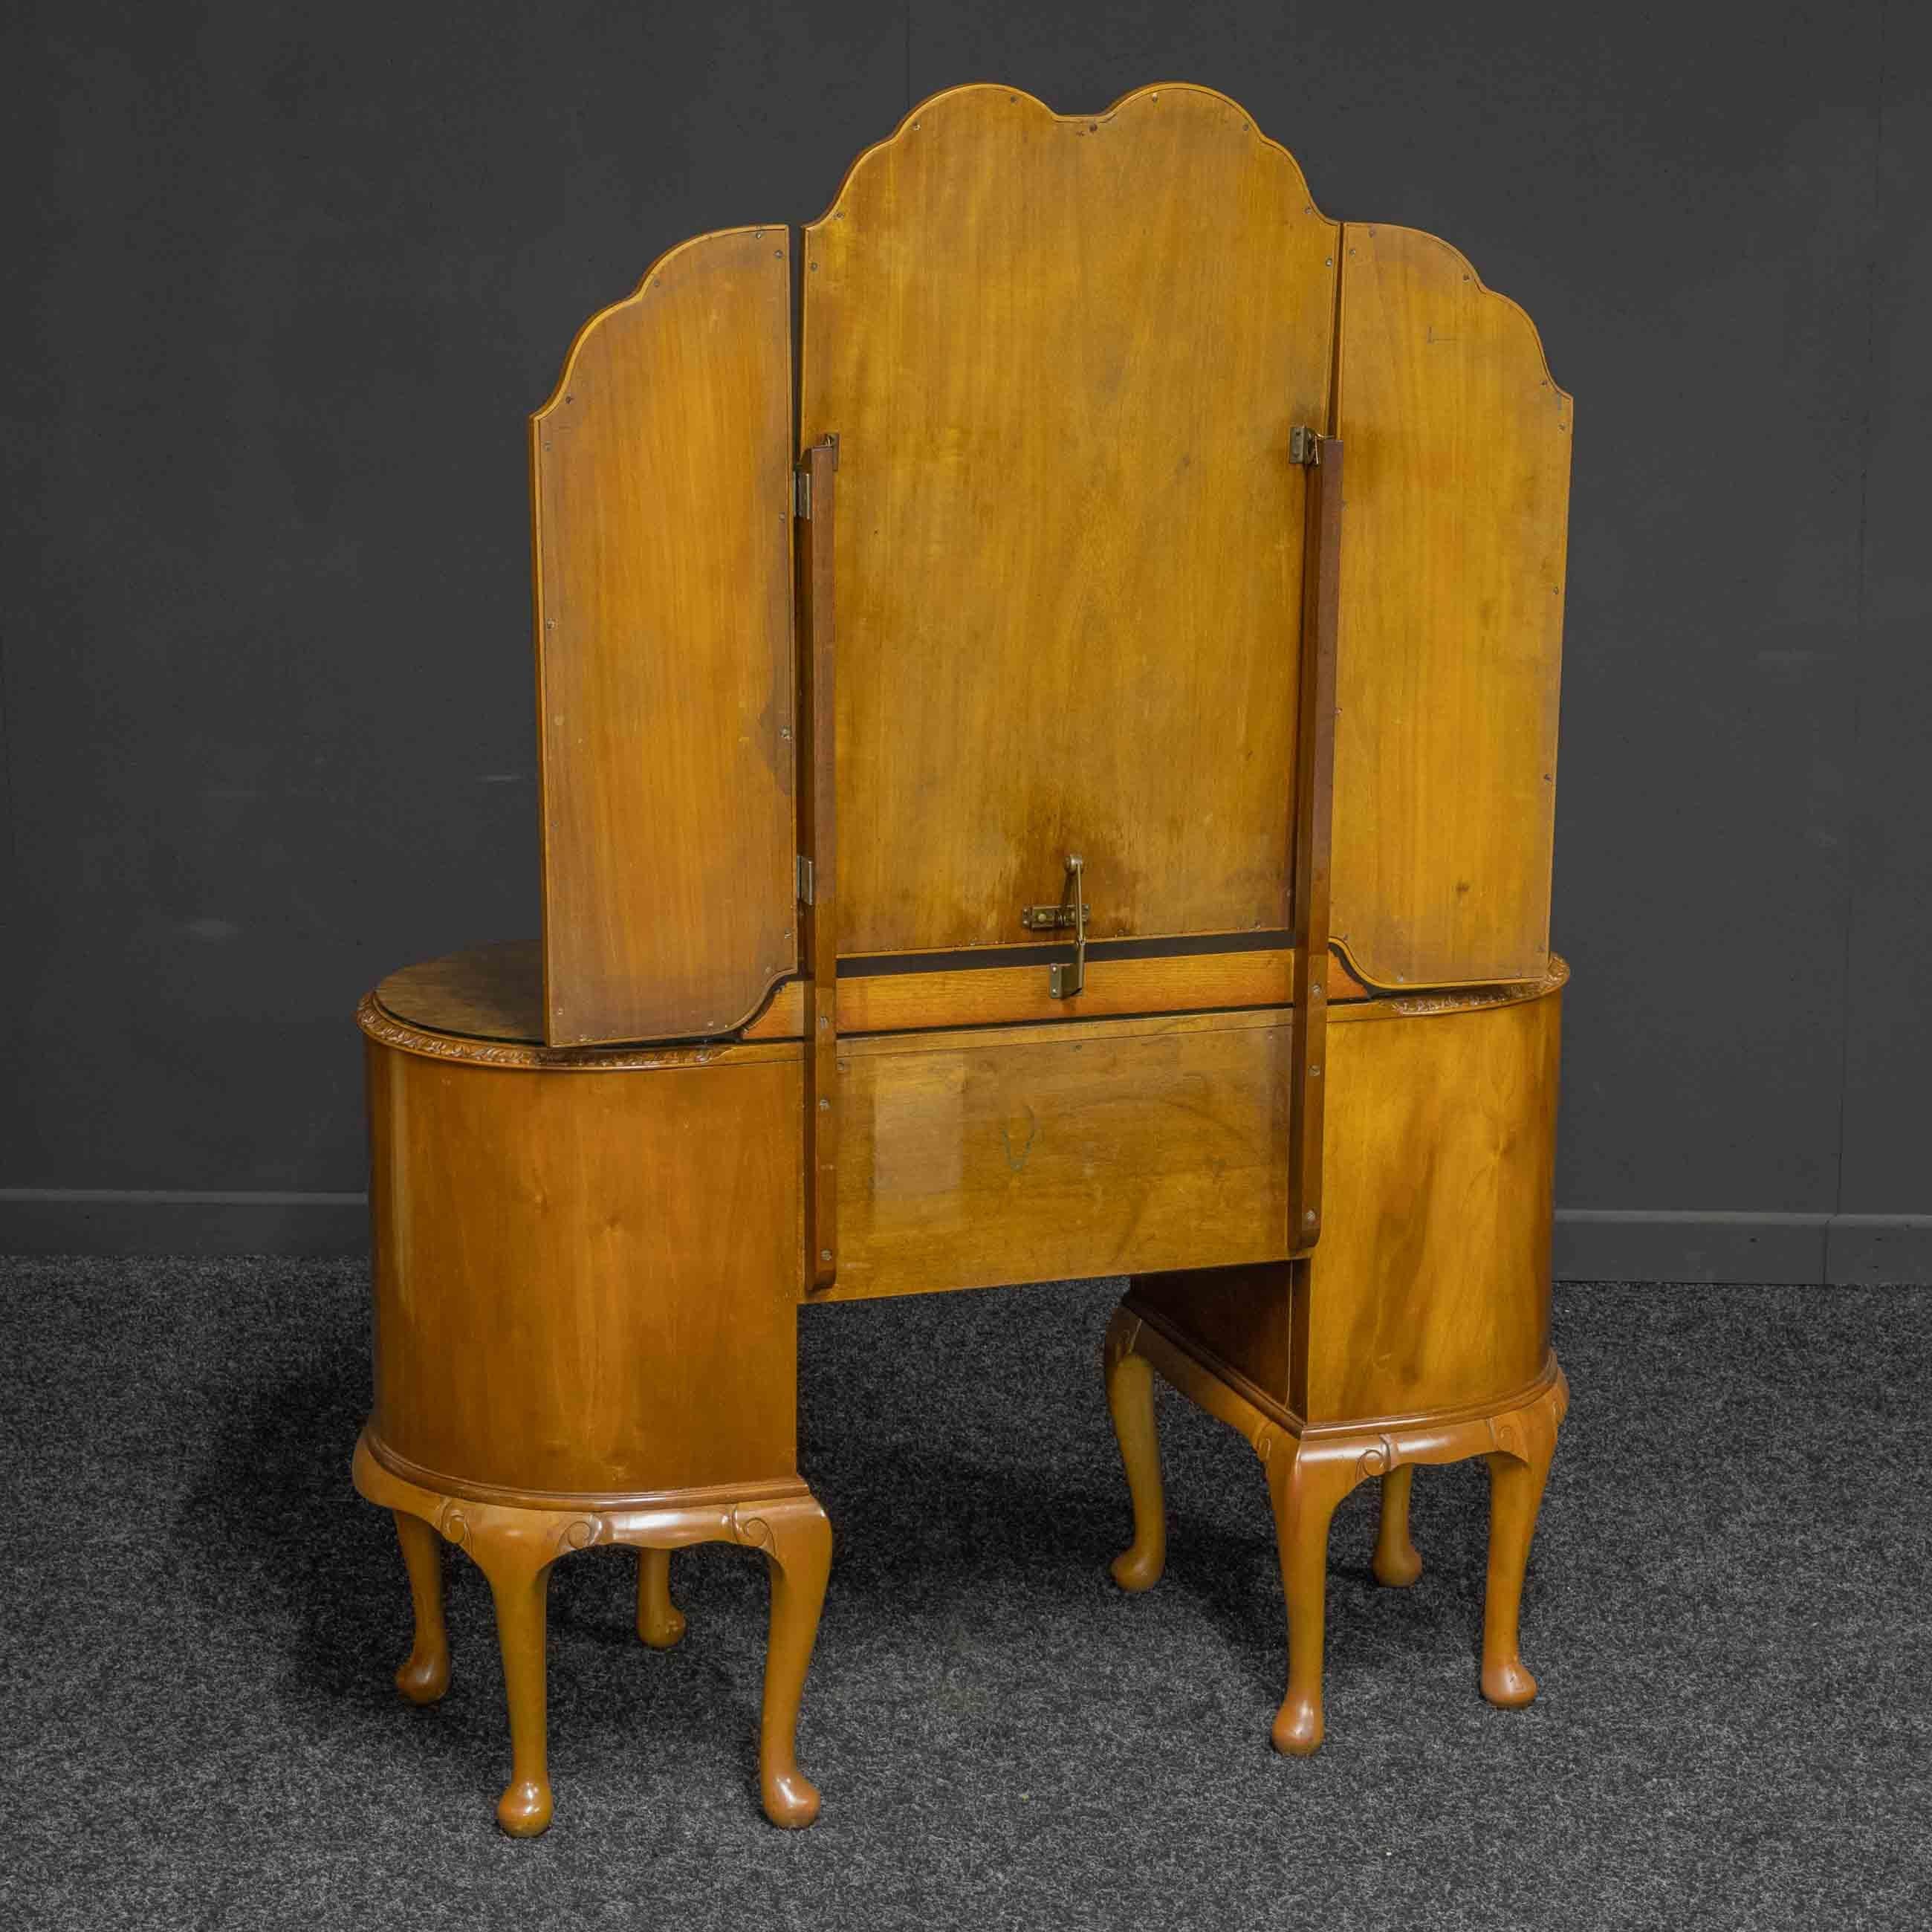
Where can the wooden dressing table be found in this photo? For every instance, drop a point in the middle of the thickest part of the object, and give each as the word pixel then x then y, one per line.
pixel 1009 814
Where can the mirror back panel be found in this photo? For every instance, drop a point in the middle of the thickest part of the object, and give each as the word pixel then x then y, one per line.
pixel 661 475
pixel 1063 356
pixel 1451 620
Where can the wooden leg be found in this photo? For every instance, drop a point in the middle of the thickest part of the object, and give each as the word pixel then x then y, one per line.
pixel 1309 1473
pixel 519 1574
pixel 1304 1490
pixel 514 1547
pixel 1397 1562
pixel 1130 1397
pixel 424 1676
pixel 1517 1477
pixel 660 1621
pixel 796 1540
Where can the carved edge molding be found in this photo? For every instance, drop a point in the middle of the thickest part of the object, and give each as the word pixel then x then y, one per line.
pixel 1524 1429
pixel 1387 1003
pixel 609 1502
pixel 1149 96
pixel 1507 1424
pixel 384 1027
pixel 493 1534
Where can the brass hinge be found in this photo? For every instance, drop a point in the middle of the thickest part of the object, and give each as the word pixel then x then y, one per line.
pixel 804 880
pixel 1304 446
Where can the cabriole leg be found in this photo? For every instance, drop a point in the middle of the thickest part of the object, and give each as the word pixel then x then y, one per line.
pixel 519 1574
pixel 796 1539
pixel 1304 1492
pixel 1129 1378
pixel 1517 1474
pixel 660 1622
pixel 1397 1562
pixel 423 1675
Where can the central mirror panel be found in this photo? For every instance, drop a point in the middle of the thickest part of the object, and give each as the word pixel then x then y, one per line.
pixel 1063 356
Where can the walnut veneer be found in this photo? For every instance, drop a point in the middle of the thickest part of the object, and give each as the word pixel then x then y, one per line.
pixel 1033 819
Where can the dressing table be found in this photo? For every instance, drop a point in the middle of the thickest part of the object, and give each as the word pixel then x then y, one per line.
pixel 1046 687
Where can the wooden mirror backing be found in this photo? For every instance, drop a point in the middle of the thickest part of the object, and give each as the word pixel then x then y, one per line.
pixel 661 475
pixel 1451 621
pixel 1063 357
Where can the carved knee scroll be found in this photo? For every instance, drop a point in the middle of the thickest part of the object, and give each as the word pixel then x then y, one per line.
pixel 1309 1471
pixel 796 1538
pixel 1305 1485
pixel 1526 1442
pixel 515 1547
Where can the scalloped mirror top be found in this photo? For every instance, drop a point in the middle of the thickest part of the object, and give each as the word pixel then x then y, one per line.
pixel 1063 356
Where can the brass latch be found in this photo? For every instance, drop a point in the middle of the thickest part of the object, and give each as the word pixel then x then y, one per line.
pixel 1304 446
pixel 1064 981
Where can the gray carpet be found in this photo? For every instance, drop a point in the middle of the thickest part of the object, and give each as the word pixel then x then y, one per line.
pixel 1726 1608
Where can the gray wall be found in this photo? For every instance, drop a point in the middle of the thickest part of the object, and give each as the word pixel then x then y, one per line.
pixel 289 278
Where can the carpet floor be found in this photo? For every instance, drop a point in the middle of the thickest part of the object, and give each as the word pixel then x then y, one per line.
pixel 1726 1607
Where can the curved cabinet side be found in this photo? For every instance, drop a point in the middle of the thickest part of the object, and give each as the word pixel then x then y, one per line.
pixel 586 1280
pixel 661 483
pixel 1430 1290
pixel 1451 620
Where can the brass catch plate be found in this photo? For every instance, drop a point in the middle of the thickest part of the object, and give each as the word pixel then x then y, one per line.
pixel 1053 918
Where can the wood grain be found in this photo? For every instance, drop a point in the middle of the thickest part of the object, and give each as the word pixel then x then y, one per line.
pixel 1309 832
pixel 971 1157
pixel 1309 1470
pixel 1001 995
pixel 484 992
pixel 1243 1320
pixel 1431 1287
pixel 818 842
pixel 1451 620
pixel 495 993
pixel 660 479
pixel 586 1284
pixel 1042 1152
pixel 516 1545
pixel 1062 355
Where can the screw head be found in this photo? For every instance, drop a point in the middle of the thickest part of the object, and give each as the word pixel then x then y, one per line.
pixel 825 1254
pixel 1309 1220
